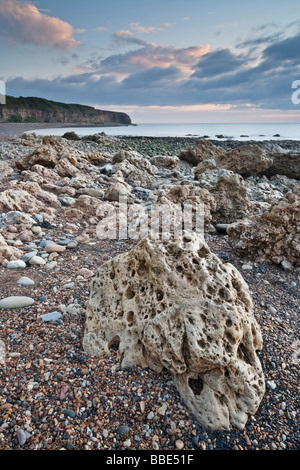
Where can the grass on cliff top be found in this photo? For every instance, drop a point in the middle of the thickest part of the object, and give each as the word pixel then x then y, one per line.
pixel 42 104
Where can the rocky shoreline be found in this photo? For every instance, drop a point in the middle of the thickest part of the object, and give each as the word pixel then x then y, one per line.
pixel 56 396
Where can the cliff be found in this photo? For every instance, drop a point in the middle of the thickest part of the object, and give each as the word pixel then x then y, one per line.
pixel 41 110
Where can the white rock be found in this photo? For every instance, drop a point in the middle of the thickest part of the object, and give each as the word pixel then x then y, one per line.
pixel 16 302
pixel 25 281
pixel 175 305
pixel 37 261
pixel 17 264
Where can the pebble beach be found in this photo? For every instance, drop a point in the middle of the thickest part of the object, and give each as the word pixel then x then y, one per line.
pixel 53 396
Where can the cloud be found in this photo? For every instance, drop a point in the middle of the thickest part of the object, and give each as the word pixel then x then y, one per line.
pixel 125 37
pixel 149 29
pixel 25 24
pixel 164 75
pixel 101 28
pixel 144 29
pixel 151 55
pixel 217 63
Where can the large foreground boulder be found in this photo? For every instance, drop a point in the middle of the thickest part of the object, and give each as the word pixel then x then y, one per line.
pixel 274 235
pixel 175 305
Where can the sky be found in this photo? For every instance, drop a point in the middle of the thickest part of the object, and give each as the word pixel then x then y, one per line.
pixel 159 61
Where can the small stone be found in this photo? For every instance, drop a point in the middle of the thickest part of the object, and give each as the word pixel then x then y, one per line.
pixel 36 229
pixel 25 281
pixel 37 261
pixel 123 430
pixel 271 384
pixel 71 245
pixel 17 264
pixel 86 273
pixel 16 302
pixel 52 316
pixel 27 257
pixel 287 266
pixel 179 444
pixel 55 248
pixel 162 410
pixel 83 238
pixel 70 413
pixel 150 415
pixel 127 443
pixel 51 265
pixel 272 309
pixel 247 267
pixel 21 436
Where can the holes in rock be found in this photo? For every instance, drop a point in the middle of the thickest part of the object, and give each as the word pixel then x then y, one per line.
pixel 179 269
pixel 229 323
pixel 112 275
pixel 186 239
pixel 228 349
pixel 153 313
pixel 196 385
pixel 142 269
pixel 243 354
pixel 129 293
pixel 130 318
pixel 202 343
pixel 210 290
pixel 202 253
pixel 195 261
pixel 114 343
pixel 222 399
pixel 159 295
pixel 224 293
pixel 230 338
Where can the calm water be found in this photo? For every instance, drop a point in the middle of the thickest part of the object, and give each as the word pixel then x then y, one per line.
pixel 231 131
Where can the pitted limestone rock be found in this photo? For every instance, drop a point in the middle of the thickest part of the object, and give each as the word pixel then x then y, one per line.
pixel 274 235
pixel 175 305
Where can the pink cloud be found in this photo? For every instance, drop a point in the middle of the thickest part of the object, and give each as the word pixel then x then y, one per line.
pixel 149 29
pixel 24 23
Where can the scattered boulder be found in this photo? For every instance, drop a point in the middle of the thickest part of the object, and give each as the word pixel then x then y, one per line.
pixel 193 196
pixel 117 191
pixel 232 202
pixel 175 305
pixel 287 164
pixel 19 200
pixel 5 171
pixel 273 235
pixel 202 150
pixel 247 160
pixel 165 161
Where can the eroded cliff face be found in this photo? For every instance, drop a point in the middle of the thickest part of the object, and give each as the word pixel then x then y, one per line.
pixel 84 115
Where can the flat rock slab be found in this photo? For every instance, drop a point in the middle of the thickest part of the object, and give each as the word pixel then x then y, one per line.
pixel 16 302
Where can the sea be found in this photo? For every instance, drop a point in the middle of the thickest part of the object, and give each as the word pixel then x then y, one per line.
pixel 257 132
